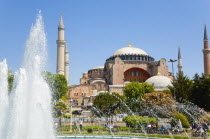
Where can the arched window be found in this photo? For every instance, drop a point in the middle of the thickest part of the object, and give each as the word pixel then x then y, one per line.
pixel 99 86
pixel 134 73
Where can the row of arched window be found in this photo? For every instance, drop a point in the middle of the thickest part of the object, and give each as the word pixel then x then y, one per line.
pixel 77 94
pixel 133 73
pixel 133 57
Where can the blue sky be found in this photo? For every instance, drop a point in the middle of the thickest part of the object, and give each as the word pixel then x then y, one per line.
pixel 95 29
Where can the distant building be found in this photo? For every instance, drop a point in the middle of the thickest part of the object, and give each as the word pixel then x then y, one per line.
pixel 128 64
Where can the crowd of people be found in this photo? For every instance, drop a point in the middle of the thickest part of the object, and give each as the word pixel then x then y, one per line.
pixel 200 127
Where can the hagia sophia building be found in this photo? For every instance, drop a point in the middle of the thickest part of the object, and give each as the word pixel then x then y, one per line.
pixel 128 64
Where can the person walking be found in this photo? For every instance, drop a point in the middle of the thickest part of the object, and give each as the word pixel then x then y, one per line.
pixel 75 125
pixel 80 124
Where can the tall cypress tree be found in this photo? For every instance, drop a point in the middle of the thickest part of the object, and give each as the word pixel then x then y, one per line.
pixel 201 91
pixel 183 87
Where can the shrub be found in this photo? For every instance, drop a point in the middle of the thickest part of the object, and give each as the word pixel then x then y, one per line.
pixel 167 91
pixel 134 121
pixel 90 130
pixel 182 118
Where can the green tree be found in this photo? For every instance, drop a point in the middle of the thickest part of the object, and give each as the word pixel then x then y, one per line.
pixel 58 85
pixel 134 92
pixel 201 91
pixel 182 86
pixel 107 105
pixel 148 88
pixel 61 110
pixel 10 80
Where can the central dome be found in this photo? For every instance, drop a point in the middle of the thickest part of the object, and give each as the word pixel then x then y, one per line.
pixel 129 50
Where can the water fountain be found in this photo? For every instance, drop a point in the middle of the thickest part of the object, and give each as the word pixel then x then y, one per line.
pixel 3 93
pixel 29 112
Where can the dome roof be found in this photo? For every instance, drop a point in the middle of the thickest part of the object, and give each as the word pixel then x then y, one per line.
pixel 129 50
pixel 160 82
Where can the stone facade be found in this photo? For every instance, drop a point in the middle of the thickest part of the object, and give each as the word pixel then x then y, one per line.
pixel 118 70
pixel 128 64
pixel 77 92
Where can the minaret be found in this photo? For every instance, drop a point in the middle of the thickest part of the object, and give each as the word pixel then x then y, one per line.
pixel 206 54
pixel 60 48
pixel 179 61
pixel 67 63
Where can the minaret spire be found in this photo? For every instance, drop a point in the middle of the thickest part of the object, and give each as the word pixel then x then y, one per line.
pixel 179 61
pixel 206 54
pixel 205 33
pixel 61 24
pixel 61 43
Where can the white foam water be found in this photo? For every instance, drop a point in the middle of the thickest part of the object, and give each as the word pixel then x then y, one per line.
pixel 3 94
pixel 29 113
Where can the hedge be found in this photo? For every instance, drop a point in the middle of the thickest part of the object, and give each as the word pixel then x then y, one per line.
pixel 182 118
pixel 135 121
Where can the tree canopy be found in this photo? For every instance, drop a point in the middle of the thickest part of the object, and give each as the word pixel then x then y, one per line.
pixel 201 92
pixel 107 104
pixel 182 86
pixel 134 92
pixel 10 80
pixel 58 85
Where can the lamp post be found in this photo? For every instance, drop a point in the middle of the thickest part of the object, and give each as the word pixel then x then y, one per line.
pixel 71 115
pixel 172 61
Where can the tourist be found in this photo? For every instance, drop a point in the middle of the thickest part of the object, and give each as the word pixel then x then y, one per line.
pixel 80 124
pixel 194 125
pixel 75 125
pixel 205 127
pixel 149 128
pixel 56 125
pixel 105 125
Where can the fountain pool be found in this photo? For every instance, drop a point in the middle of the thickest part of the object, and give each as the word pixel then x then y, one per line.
pixel 103 137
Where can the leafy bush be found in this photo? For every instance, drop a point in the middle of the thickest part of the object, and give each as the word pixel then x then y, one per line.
pixel 167 91
pixel 89 130
pixel 182 118
pixel 134 121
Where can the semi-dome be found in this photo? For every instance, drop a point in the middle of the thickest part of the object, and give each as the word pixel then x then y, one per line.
pixel 159 82
pixel 129 50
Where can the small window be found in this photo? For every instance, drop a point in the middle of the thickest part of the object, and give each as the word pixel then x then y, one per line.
pixel 99 86
pixel 134 73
